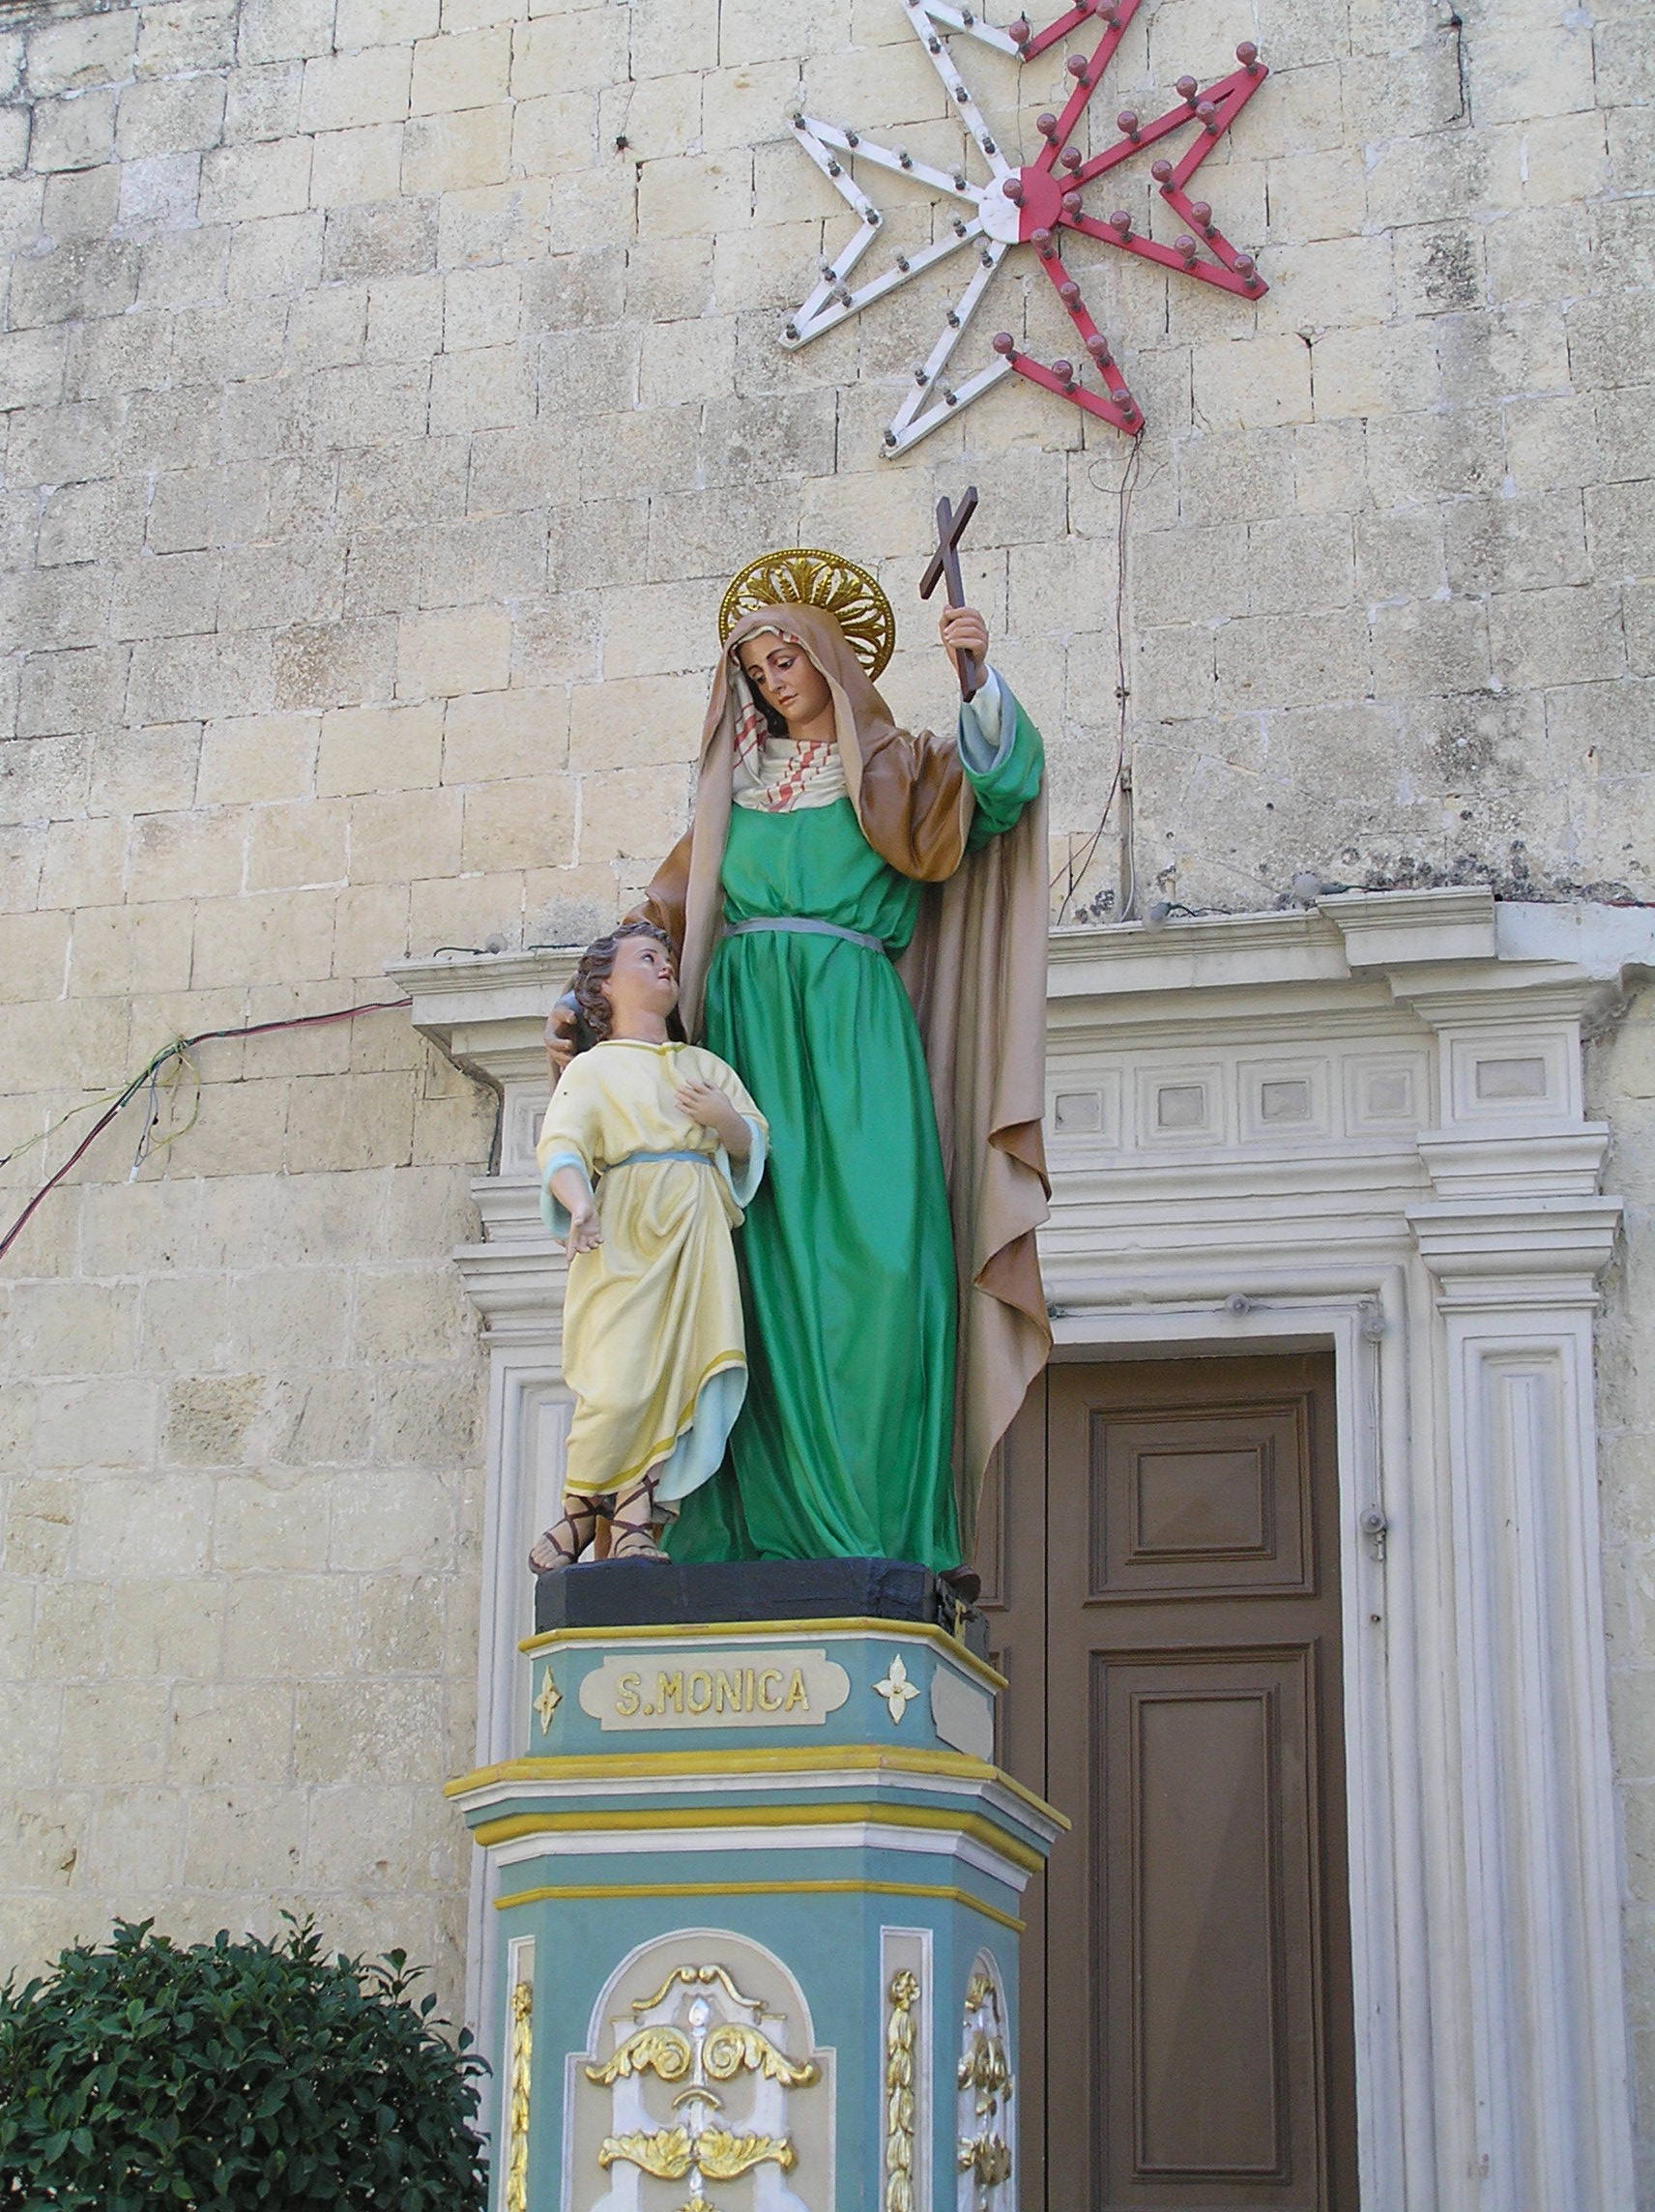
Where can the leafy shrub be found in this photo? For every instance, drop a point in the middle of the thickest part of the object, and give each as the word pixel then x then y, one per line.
pixel 242 2075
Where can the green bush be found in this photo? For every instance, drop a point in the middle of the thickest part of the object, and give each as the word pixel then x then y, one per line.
pixel 238 2075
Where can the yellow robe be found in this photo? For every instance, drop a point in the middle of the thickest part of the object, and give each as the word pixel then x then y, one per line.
pixel 654 1347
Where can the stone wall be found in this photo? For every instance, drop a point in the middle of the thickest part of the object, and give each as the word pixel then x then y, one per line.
pixel 389 389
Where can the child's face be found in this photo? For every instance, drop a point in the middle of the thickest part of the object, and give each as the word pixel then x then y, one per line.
pixel 642 980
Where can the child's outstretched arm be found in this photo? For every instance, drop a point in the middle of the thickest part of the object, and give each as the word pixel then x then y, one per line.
pixel 574 1193
pixel 703 1103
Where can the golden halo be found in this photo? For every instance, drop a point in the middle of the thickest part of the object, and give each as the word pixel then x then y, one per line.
pixel 805 576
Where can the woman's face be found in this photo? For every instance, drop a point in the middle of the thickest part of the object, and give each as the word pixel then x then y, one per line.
pixel 786 678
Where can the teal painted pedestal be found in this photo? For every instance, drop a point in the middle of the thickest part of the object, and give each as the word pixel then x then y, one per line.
pixel 760 1889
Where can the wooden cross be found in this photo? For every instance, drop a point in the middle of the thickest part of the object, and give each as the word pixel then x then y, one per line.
pixel 944 565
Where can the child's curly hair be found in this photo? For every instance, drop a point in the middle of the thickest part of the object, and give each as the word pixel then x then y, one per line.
pixel 593 1015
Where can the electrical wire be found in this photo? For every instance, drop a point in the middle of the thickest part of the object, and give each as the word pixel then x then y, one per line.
pixel 1124 496
pixel 174 1060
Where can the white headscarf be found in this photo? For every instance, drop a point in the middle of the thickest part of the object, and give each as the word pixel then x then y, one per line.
pixel 778 775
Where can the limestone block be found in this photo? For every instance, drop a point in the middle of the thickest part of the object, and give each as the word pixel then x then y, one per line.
pixel 169 115
pixel 1423 457
pixel 499 734
pixel 263 101
pixel 14 139
pixel 529 824
pixel 417 1314
pixel 414 481
pixel 78 1328
pixel 144 1524
pixel 585 51
pixel 87 50
pixel 467 69
pixel 366 1123
pixel 360 1839
pixel 480 307
pixel 81 278
pixel 1550 638
pixel 84 861
pixel 443 654
pixel 645 721
pixel 71 1631
pixel 384 22
pixel 370 926
pixel 1625 438
pixel 170 594
pixel 489 389
pixel 1620 527
pixel 658 117
pixel 128 1229
pixel 302 843
pixel 161 193
pixel 40 1526
pixel 323 1420
pixel 186 856
pixel 495 222
pixel 1279 661
pixel 401 839
pixel 76 132
pixel 1320 194
pixel 230 1732
pixel 345 89
pixel 397 239
pixel 1431 647
pixel 1560 158
pixel 210 1419
pixel 685 360
pixel 1540 253
pixel 693 194
pixel 31 367
pixel 652 630
pixel 179 35
pixel 1190 574
pixel 367 1732
pixel 324 664
pixel 433 1418
pixel 465 909
pixel 554 133
pixel 113 1732
pixel 43 1834
pixel 245 181
pixel 1542 68
pixel 632 813
pixel 1638 617
pixel 1399 556
pixel 246 1836
pixel 1532 540
pixel 400 1623
pixel 349 167
pixel 283 1626
pixel 145 771
pixel 449 1129
pixel 272 1519
pixel 282 30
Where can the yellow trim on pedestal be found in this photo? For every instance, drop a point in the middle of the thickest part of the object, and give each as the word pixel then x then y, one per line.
pixel 576 1891
pixel 827 1760
pixel 514 1824
pixel 764 1631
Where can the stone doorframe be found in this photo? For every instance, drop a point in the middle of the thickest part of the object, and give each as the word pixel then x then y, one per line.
pixel 1359 1125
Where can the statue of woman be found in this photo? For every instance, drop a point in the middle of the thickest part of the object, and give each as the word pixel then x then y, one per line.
pixel 861 914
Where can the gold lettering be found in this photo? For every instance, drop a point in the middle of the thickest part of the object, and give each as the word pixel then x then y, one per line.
pixel 626 1698
pixel 727 1691
pixel 705 1683
pixel 749 1705
pixel 770 1699
pixel 797 1694
pixel 669 1687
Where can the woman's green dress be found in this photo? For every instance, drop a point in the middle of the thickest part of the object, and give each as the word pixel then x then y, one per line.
pixel 844 1447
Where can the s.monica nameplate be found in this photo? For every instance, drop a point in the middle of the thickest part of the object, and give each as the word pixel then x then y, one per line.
pixel 696 1689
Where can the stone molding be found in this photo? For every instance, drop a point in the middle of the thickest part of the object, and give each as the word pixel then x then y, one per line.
pixel 1361 1125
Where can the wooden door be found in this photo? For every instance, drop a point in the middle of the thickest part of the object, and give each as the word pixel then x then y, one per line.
pixel 1160 1563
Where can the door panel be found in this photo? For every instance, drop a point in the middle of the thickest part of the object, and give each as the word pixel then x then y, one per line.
pixel 1187 1966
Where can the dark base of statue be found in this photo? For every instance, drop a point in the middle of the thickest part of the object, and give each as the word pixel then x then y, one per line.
pixel 758 1884
pixel 632 1593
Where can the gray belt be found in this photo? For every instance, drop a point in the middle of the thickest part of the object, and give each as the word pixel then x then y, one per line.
pixel 795 925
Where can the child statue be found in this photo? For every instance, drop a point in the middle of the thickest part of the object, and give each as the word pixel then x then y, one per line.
pixel 649 1150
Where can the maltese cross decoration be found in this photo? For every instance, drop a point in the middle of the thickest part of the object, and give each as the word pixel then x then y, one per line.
pixel 1032 205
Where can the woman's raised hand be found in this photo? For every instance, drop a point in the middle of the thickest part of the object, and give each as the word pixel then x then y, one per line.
pixel 963 629
pixel 560 1039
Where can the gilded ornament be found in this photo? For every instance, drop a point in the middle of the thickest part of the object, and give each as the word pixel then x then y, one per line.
pixel 661 2050
pixel 984 2077
pixel 899 2110
pixel 548 1702
pixel 698 1977
pixel 733 2047
pixel 725 2157
pixel 668 2153
pixel 518 2110
pixel 810 577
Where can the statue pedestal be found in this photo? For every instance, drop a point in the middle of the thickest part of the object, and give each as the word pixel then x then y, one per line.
pixel 760 1884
